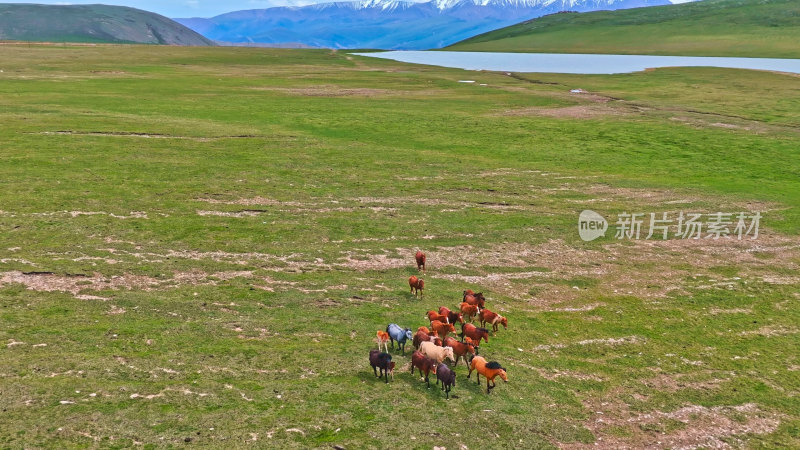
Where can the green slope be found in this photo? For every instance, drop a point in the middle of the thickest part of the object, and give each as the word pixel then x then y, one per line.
pixel 92 23
pixel 753 28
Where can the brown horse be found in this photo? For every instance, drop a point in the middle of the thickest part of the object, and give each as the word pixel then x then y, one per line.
pixel 433 315
pixel 475 299
pixel 469 330
pixel 492 318
pixel 460 350
pixel 424 364
pixel 442 328
pixel 489 370
pixel 417 285
pixel 469 311
pixel 422 336
pixel 420 257
pixel 382 338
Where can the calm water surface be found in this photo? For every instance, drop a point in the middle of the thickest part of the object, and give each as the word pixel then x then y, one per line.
pixel 579 63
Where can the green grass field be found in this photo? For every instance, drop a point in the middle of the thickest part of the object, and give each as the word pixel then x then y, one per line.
pixel 746 28
pixel 197 246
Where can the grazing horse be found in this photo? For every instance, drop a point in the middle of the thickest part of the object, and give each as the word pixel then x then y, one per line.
pixel 424 364
pixel 447 377
pixel 488 370
pixel 475 299
pixel 460 349
pixel 476 334
pixel 430 350
pixel 420 257
pixel 382 361
pixel 421 336
pixel 425 330
pixel 455 317
pixel 382 338
pixel 492 318
pixel 442 328
pixel 433 315
pixel 469 311
pixel 401 335
pixel 417 285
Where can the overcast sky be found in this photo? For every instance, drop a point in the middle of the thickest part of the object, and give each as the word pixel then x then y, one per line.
pixel 201 8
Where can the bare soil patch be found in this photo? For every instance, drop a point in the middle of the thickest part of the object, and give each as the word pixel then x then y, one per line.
pixel 75 284
pixel 698 426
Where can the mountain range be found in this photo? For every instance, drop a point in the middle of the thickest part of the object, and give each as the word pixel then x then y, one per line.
pixel 92 23
pixel 387 24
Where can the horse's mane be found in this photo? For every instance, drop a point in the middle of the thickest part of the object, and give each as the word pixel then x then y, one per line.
pixel 385 356
pixel 494 365
pixel 484 330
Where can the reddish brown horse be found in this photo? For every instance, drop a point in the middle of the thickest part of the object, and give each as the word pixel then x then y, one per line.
pixel 468 311
pixel 424 364
pixel 433 315
pixel 422 336
pixel 489 370
pixel 417 285
pixel 452 316
pixel 492 318
pixel 420 257
pixel 469 330
pixel 460 350
pixel 475 299
pixel 442 328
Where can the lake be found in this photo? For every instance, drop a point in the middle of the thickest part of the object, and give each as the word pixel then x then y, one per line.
pixel 579 63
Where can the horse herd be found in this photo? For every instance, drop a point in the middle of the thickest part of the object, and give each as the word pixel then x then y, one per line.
pixel 433 344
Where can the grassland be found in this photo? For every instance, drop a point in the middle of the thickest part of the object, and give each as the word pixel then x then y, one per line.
pixel 748 28
pixel 197 246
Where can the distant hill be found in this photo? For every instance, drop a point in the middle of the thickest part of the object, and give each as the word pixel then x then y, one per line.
pixel 386 24
pixel 752 28
pixel 92 23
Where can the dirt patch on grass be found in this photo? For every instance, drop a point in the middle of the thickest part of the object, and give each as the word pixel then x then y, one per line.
pixel 75 284
pixel 591 111
pixel 675 382
pixel 688 427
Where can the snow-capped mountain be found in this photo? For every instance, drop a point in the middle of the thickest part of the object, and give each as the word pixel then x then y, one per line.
pixel 387 24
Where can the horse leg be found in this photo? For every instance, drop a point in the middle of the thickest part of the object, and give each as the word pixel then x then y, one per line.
pixel 427 380
pixel 374 371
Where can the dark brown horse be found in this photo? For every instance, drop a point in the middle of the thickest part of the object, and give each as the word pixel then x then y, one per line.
pixel 424 364
pixel 382 361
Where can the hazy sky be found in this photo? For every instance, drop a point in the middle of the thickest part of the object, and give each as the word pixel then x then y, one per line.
pixel 201 8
